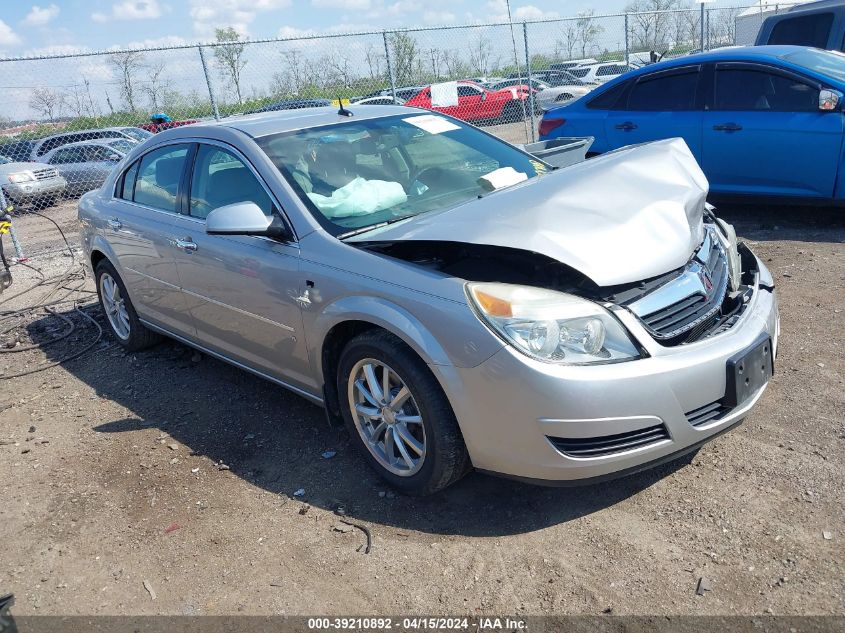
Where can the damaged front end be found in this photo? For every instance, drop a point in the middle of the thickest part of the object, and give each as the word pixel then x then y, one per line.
pixel 703 298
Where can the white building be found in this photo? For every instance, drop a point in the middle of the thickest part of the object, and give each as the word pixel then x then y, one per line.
pixel 749 21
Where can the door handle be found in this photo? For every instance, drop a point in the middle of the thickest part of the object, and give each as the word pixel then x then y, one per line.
pixel 727 127
pixel 186 244
pixel 114 224
pixel 627 126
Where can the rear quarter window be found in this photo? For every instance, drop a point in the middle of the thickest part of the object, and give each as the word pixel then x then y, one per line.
pixel 608 99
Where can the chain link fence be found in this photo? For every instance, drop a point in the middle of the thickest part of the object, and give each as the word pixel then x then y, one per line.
pixel 71 117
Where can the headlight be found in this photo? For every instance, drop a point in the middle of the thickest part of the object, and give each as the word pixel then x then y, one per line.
pixel 552 326
pixel 22 177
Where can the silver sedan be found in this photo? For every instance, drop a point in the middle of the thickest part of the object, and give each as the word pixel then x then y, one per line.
pixel 455 301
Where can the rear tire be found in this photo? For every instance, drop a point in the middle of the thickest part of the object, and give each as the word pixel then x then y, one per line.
pixel 512 112
pixel 121 317
pixel 408 432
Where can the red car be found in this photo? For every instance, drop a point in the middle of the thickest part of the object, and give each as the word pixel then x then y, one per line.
pixel 478 104
pixel 158 127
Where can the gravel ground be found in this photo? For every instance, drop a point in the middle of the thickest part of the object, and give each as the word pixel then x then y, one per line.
pixel 163 482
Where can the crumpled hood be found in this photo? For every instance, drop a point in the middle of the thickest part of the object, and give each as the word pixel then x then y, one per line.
pixel 622 217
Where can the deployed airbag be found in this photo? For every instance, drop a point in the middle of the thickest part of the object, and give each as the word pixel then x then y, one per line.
pixel 360 197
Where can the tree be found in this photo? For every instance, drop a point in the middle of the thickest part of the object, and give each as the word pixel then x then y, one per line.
pixel 128 64
pixel 46 102
pixel 374 58
pixel 587 30
pixel 230 57
pixel 405 53
pixel 568 41
pixel 156 87
pixel 650 23
pixel 480 57
pixel 76 100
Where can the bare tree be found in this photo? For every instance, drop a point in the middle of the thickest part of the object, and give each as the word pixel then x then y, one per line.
pixel 374 59
pixel 455 65
pixel 587 30
pixel 723 27
pixel 77 102
pixel 128 64
pixel 651 25
pixel 230 56
pixel 481 56
pixel 568 40
pixel 156 86
pixel 46 102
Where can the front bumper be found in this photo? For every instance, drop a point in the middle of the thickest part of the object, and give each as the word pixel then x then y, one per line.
pixel 509 406
pixel 35 189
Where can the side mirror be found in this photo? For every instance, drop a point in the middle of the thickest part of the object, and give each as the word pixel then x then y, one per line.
pixel 830 100
pixel 243 218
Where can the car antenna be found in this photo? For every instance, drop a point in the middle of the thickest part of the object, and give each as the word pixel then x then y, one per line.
pixel 343 111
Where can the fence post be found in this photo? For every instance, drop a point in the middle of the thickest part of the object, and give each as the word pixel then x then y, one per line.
pixel 528 72
pixel 709 35
pixel 208 83
pixel 627 43
pixel 389 66
pixel 701 19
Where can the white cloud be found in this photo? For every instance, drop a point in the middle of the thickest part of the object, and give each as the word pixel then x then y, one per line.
pixel 497 11
pixel 132 10
pixel 56 49
pixel 7 36
pixel 39 16
pixel 350 5
pixel 438 17
pixel 239 14
pixel 156 42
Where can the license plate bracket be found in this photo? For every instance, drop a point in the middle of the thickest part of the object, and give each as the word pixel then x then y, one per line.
pixel 748 371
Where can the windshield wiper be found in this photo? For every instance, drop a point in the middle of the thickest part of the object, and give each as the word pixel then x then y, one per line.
pixel 373 227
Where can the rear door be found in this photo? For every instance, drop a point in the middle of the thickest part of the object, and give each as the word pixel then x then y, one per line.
pixel 659 105
pixel 140 229
pixel 242 291
pixel 764 134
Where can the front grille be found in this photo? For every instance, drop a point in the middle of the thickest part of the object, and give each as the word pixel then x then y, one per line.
pixel 609 444
pixel 688 307
pixel 707 413
pixel 44 174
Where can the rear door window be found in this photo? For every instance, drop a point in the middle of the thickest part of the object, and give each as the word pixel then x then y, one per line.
pixel 808 30
pixel 674 91
pixel 159 175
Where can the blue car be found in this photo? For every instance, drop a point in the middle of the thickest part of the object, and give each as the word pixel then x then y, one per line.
pixel 761 121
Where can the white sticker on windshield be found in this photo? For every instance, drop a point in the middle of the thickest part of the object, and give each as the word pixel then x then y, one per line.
pixel 432 124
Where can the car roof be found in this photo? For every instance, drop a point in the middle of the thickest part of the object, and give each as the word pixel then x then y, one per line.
pixel 280 121
pixel 93 141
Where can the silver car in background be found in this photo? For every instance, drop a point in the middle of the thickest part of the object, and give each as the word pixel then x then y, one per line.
pixel 457 302
pixel 86 165
pixel 30 182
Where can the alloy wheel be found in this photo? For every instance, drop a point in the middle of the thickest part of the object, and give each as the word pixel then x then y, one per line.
pixel 115 306
pixel 387 417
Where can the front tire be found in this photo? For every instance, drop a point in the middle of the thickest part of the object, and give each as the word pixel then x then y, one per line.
pixel 399 416
pixel 120 313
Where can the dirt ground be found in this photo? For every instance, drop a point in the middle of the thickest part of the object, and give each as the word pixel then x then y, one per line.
pixel 163 483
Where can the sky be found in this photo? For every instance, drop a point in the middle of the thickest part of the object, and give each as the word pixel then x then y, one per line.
pixel 67 26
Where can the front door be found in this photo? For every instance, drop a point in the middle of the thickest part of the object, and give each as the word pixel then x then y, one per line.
pixel 140 229
pixel 660 105
pixel 242 291
pixel 765 134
